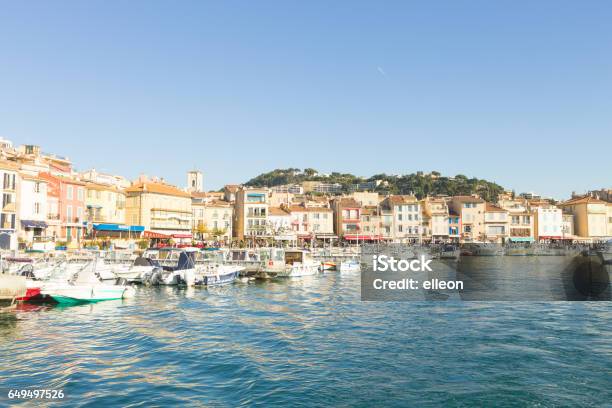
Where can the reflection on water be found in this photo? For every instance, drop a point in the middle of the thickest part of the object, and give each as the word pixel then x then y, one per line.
pixel 309 341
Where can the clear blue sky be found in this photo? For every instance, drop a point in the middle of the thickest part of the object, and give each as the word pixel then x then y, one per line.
pixel 519 92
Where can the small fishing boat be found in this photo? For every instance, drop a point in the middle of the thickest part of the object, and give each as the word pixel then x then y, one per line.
pixel 328 266
pixel 350 266
pixel 290 263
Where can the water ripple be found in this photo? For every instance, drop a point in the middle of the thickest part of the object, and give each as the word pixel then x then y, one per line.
pixel 309 342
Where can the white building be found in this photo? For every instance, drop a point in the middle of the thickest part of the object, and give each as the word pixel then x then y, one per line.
pixel 406 212
pixel 548 222
pixel 33 210
pixel 9 185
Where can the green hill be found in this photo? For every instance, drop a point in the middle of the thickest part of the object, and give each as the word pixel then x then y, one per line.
pixel 418 184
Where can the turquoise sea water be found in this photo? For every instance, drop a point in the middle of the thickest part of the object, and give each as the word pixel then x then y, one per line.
pixel 309 342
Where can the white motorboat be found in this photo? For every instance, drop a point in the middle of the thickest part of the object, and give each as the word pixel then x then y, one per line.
pixel 140 267
pixel 85 286
pixel 290 263
pixel 177 267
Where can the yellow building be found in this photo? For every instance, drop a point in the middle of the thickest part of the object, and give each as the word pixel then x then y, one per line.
pixel 104 204
pixel 496 224
pixel 591 216
pixel 435 218
pixel 161 208
pixel 471 209
pixel 213 220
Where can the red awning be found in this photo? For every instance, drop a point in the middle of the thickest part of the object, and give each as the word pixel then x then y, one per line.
pixel 151 234
pixel 363 237
pixel 181 236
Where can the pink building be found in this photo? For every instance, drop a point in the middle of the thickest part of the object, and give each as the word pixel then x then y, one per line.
pixel 66 207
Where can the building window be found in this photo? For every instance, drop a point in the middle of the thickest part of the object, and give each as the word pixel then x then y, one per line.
pixel 69 192
pixel 36 208
pixel 80 194
pixel 37 187
pixel 69 212
pixel 6 199
pixel 9 181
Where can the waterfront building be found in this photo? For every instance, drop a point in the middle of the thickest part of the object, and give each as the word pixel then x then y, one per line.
pixel 548 221
pixel 454 226
pixel 347 218
pixel 313 222
pixel 435 218
pixel 106 212
pixel 9 177
pixel 386 223
pixel 195 181
pixel 370 222
pixel 105 204
pixel 280 220
pixel 590 216
pixel 32 212
pixel 251 214
pixel 406 215
pixel 521 220
pixel 496 224
pixel 66 208
pixel 162 209
pixel 471 210
pixel 567 225
pixel 212 220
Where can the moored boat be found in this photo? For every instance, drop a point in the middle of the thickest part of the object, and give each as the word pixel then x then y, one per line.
pixel 289 263
pixel 85 286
